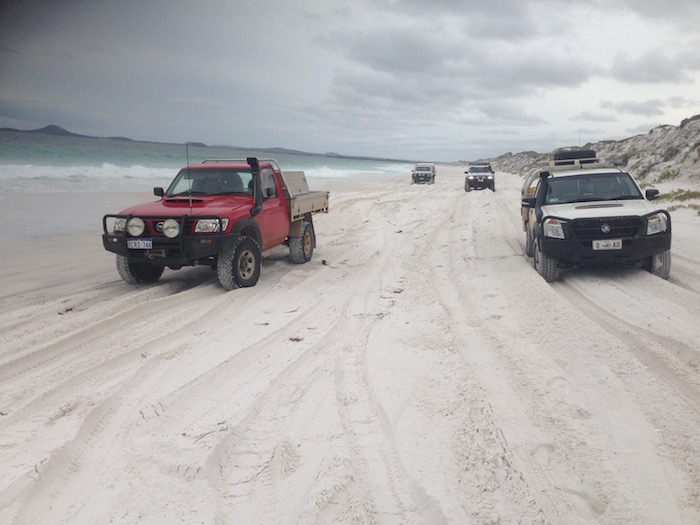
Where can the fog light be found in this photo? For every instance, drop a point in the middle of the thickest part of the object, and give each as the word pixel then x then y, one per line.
pixel 171 228
pixel 135 226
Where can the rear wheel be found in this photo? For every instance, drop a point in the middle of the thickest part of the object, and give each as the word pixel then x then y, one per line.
pixel 547 267
pixel 239 266
pixel 659 264
pixel 301 248
pixel 137 273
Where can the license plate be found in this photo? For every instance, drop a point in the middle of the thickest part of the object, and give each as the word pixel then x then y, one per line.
pixel 139 244
pixel 608 244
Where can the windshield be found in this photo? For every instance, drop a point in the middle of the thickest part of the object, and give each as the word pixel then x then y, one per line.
pixel 211 181
pixel 423 168
pixel 479 169
pixel 592 187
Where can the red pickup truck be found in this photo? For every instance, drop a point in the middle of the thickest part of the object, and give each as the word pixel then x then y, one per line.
pixel 220 213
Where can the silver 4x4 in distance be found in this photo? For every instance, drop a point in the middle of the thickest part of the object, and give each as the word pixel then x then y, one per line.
pixel 478 176
pixel 588 211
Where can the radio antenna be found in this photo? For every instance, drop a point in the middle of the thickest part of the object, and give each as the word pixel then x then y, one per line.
pixel 189 179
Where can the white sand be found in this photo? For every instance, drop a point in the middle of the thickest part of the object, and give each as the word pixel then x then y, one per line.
pixel 417 371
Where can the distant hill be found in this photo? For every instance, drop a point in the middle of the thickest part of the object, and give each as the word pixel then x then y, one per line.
pixel 665 152
pixel 59 131
pixel 48 130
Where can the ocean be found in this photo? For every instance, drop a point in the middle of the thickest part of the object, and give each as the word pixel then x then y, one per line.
pixel 37 162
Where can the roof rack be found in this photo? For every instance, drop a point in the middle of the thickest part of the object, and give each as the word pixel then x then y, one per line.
pixel 591 162
pixel 241 161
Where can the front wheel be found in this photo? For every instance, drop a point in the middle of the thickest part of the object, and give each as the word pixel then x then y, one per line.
pixel 659 264
pixel 137 273
pixel 301 248
pixel 467 187
pixel 239 266
pixel 546 266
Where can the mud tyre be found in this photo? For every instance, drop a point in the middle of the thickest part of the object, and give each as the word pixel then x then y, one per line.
pixel 467 187
pixel 239 266
pixel 301 248
pixel 659 264
pixel 137 273
pixel 547 267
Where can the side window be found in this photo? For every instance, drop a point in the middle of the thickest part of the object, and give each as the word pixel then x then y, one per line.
pixel 267 180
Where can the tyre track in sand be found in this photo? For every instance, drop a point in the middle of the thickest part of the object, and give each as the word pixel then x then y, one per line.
pixel 524 476
pixel 76 400
pixel 475 245
pixel 131 398
pixel 104 335
pixel 363 475
pixel 675 357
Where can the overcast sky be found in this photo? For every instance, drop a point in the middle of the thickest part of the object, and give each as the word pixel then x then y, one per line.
pixel 412 79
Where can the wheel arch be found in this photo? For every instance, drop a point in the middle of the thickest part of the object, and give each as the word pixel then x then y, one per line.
pixel 248 227
pixel 295 228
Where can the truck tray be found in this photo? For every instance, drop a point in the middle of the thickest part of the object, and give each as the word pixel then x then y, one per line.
pixel 301 200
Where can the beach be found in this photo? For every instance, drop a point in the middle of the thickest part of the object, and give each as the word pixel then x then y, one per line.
pixel 417 370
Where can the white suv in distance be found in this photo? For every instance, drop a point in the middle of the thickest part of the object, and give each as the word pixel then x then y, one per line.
pixel 423 172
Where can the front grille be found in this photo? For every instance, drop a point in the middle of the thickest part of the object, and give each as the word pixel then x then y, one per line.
pixel 620 227
pixel 152 229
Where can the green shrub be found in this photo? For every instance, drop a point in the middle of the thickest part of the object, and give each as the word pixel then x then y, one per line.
pixel 668 174
pixel 679 195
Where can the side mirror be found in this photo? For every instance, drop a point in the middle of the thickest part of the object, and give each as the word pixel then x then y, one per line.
pixel 269 192
pixel 528 202
pixel 158 192
pixel 651 194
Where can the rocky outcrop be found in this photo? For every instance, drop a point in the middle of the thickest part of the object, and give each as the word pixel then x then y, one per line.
pixel 665 153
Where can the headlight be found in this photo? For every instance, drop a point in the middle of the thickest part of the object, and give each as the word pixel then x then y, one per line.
pixel 490 177
pixel 553 228
pixel 656 224
pixel 470 177
pixel 135 226
pixel 209 225
pixel 171 228
pixel 119 225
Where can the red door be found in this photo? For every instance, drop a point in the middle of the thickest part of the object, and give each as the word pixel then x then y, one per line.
pixel 274 223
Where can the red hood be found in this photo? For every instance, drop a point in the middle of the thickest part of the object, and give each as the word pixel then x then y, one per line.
pixel 223 206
